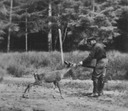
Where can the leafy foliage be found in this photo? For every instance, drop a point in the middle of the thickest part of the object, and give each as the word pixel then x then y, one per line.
pixel 77 19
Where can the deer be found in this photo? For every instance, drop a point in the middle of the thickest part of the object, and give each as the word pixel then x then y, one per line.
pixel 51 77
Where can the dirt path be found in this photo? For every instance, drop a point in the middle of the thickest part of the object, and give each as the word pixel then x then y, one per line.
pixel 41 98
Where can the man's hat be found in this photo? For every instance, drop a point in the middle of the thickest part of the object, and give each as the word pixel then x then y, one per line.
pixel 90 38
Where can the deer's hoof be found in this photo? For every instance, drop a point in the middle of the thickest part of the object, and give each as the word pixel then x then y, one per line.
pixel 53 96
pixel 23 96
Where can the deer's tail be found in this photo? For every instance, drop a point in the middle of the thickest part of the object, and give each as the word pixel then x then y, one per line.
pixel 35 76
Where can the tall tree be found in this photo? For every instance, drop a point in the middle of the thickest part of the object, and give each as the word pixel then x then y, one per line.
pixel 7 19
pixel 30 18
pixel 41 14
pixel 9 30
pixel 50 28
pixel 26 32
pixel 3 22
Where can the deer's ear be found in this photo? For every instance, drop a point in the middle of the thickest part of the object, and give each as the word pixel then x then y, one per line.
pixel 34 75
pixel 66 62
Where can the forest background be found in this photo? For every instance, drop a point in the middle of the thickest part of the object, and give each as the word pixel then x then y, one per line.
pixel 34 24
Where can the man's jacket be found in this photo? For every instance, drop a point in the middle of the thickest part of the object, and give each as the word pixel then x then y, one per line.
pixel 99 54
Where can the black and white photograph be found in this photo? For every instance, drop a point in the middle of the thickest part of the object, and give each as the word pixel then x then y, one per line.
pixel 63 55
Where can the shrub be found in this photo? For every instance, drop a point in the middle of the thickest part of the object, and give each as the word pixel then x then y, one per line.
pixel 16 70
pixel 118 65
pixel 19 64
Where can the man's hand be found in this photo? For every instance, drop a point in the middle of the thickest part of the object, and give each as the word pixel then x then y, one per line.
pixel 80 63
pixel 74 64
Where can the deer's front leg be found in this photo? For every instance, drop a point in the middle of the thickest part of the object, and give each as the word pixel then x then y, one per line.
pixel 57 84
pixel 28 89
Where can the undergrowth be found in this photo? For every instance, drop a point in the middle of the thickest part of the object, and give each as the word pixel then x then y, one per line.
pixel 19 64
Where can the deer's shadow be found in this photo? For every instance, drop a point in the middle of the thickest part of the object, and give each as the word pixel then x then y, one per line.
pixel 81 94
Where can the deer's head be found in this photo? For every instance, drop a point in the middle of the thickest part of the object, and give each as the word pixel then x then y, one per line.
pixel 38 77
pixel 69 72
pixel 69 64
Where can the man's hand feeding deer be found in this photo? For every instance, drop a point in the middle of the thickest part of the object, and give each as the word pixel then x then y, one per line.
pixel 51 77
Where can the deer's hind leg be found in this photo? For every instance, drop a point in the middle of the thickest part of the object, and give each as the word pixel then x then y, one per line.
pixel 55 84
pixel 58 85
pixel 54 87
pixel 28 88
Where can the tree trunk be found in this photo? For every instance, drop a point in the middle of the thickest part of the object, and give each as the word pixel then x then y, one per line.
pixel 61 47
pixel 65 33
pixel 50 28
pixel 93 5
pixel 9 30
pixel 26 33
pixel 56 39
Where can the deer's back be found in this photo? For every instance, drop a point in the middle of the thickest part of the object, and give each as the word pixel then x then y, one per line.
pixel 51 77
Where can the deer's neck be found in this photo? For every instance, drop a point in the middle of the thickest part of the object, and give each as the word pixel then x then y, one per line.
pixel 65 73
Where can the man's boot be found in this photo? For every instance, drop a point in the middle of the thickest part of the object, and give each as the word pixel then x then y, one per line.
pixel 95 88
pixel 100 89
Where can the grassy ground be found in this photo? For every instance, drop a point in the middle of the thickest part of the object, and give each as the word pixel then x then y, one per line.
pixel 75 91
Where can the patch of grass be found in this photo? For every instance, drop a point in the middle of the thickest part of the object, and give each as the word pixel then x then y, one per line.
pixel 10 109
pixel 16 70
pixel 19 64
pixel 117 85
pixel 77 84
pixel 118 65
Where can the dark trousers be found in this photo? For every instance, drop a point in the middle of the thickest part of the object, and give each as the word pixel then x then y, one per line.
pixel 98 84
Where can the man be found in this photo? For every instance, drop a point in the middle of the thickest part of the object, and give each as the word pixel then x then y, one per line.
pixel 98 52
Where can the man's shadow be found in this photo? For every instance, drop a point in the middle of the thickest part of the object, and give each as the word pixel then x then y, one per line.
pixel 86 94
